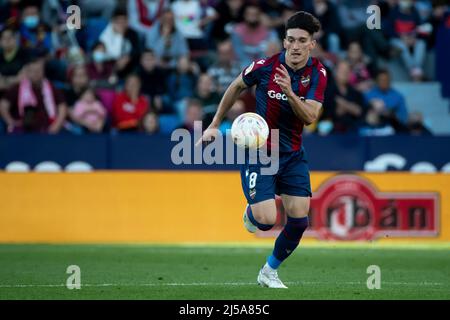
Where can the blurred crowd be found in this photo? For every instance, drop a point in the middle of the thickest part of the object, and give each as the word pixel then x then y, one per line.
pixel 155 65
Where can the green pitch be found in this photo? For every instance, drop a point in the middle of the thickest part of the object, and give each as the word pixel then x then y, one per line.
pixel 220 272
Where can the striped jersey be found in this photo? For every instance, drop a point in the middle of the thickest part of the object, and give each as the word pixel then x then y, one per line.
pixel 272 104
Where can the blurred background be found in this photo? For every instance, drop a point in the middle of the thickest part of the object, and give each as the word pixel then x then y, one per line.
pixel 112 91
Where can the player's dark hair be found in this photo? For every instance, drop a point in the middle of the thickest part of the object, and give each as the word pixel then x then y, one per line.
pixel 303 20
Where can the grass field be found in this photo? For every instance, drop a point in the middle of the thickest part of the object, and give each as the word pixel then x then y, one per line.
pixel 220 272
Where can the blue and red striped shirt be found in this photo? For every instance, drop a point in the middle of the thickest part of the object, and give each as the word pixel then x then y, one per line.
pixel 272 104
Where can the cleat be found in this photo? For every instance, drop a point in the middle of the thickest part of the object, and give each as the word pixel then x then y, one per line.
pixel 247 223
pixel 269 278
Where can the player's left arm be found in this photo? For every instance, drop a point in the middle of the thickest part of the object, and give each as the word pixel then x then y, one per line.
pixel 308 108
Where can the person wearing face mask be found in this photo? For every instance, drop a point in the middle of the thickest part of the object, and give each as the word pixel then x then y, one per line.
pixel 101 69
pixel 251 37
pixel 34 35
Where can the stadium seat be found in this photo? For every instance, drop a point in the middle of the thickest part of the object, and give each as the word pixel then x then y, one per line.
pixel 426 98
pixel 168 123
pixel 94 28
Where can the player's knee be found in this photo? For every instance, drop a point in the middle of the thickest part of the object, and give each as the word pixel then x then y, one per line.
pixel 295 227
pixel 264 217
pixel 298 209
pixel 263 220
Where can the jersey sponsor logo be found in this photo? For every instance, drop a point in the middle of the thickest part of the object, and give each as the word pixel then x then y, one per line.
pixel 305 80
pixel 277 95
pixel 348 207
pixel 249 68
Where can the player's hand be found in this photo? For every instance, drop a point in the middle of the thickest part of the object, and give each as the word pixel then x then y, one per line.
pixel 283 79
pixel 209 135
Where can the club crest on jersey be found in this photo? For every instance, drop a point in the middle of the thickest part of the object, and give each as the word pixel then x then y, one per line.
pixel 305 80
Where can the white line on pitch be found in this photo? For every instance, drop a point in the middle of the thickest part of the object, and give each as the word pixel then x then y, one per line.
pixel 176 284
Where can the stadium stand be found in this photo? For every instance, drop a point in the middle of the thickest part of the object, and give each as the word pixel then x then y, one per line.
pixel 426 94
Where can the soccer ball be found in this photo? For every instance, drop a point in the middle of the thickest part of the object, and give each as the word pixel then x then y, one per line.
pixel 249 130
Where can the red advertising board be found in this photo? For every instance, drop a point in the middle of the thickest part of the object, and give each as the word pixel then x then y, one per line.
pixel 349 207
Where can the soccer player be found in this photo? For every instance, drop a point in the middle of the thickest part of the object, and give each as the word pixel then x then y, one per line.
pixel 289 94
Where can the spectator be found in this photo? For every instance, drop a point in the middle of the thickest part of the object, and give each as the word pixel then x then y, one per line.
pixel 350 106
pixel 192 17
pixel 361 68
pixel 78 83
pixel 12 59
pixel 100 69
pixel 150 123
pixel 226 68
pixel 230 13
pixel 130 106
pixel 273 47
pixel 10 14
pixel 193 113
pixel 287 11
pixel 273 14
pixel 181 83
pixel 237 109
pixel 33 105
pixel 326 12
pixel 143 14
pixel 89 112
pixel 208 97
pixel 166 41
pixel 375 124
pixel 416 126
pixel 328 59
pixel 404 24
pixel 35 35
pixel 153 79
pixel 387 101
pixel 353 17
pixel 250 38
pixel 54 12
pixel 122 43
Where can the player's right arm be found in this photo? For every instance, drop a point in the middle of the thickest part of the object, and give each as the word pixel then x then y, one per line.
pixel 229 98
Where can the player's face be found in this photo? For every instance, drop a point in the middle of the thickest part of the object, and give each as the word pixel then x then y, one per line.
pixel 298 44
